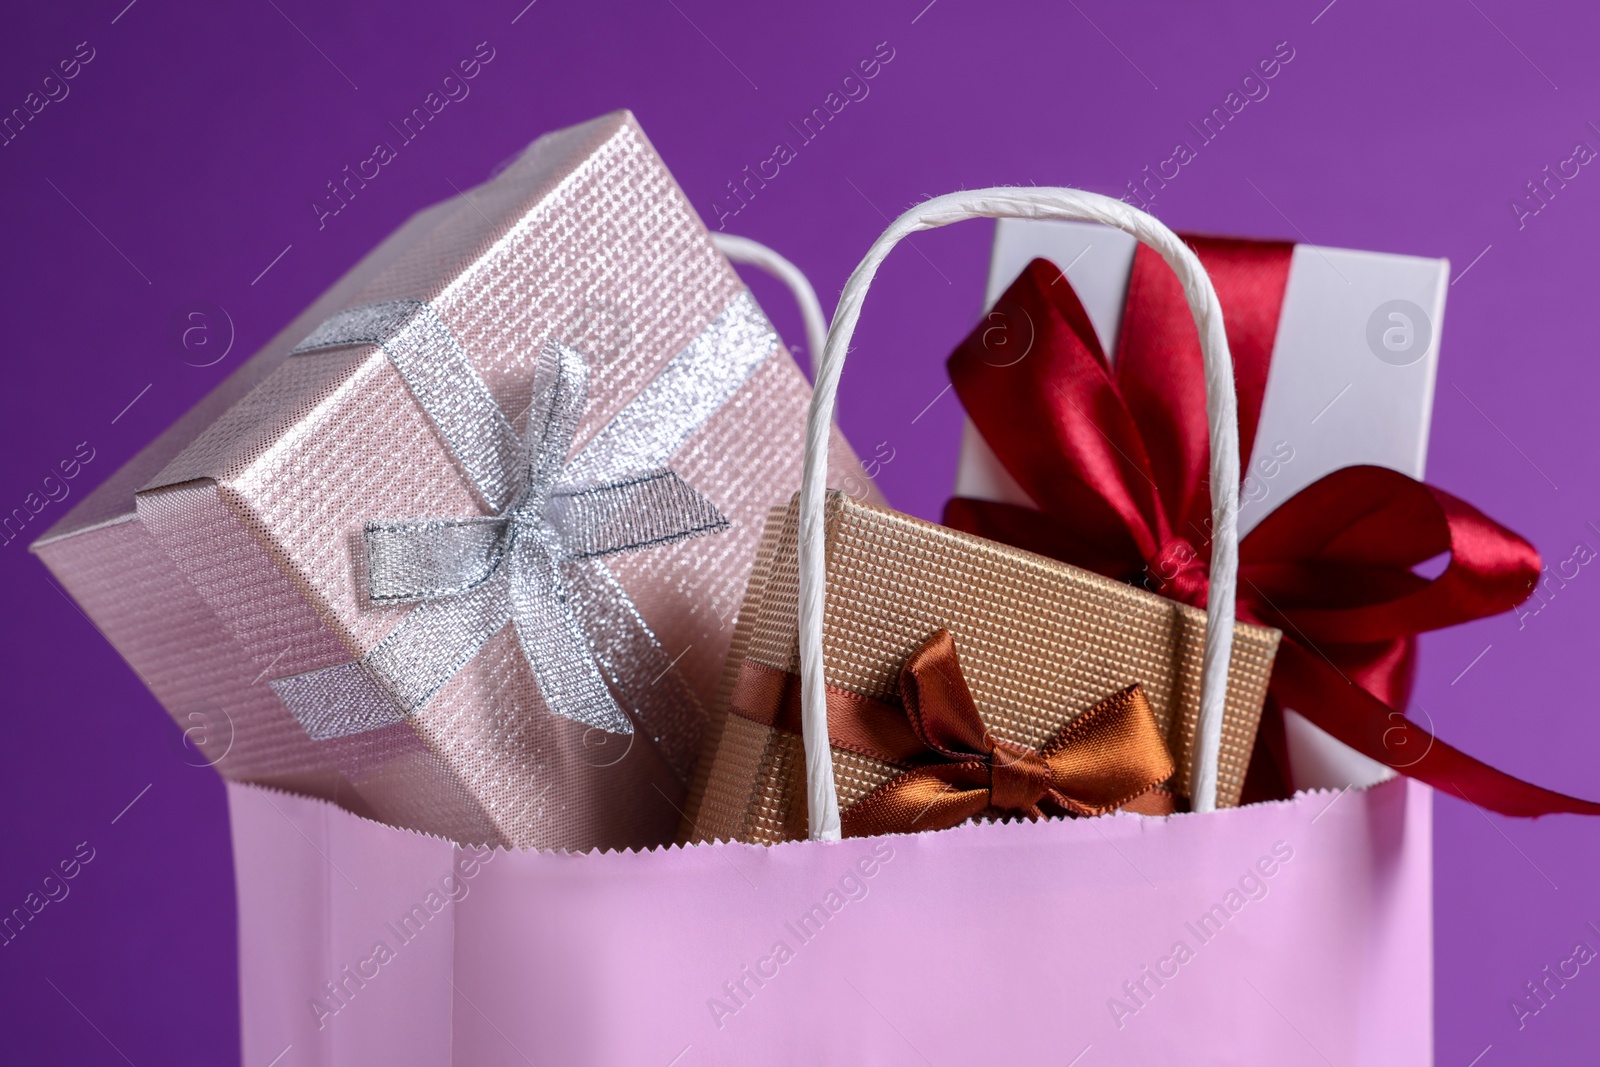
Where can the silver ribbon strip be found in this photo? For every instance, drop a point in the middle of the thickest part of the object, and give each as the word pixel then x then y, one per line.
pixel 536 560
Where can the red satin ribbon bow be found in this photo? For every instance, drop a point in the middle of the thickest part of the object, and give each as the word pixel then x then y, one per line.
pixel 1117 460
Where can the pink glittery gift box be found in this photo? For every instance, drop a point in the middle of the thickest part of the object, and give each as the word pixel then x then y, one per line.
pixel 227 554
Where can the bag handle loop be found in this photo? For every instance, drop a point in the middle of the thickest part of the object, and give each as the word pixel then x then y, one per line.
pixel 744 250
pixel 1221 414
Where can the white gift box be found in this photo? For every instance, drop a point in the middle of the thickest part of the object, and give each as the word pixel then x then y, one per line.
pixel 1351 382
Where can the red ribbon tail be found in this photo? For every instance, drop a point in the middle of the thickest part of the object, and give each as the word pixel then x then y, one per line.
pixel 1310 685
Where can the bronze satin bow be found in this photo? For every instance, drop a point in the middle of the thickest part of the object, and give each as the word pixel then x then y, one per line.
pixel 1110 756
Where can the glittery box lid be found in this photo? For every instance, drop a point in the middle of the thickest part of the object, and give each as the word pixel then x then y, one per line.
pixel 227 552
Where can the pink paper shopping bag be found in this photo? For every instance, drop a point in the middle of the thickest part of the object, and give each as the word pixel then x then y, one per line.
pixel 1287 932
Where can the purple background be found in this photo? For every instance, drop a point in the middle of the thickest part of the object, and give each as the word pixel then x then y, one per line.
pixel 189 151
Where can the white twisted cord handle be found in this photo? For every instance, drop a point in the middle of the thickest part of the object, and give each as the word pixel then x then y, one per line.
pixel 744 250
pixel 1221 413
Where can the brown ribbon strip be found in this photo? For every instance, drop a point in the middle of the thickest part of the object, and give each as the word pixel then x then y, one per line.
pixel 1110 756
pixel 857 723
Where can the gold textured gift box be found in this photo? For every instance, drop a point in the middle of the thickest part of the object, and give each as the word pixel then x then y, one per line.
pixel 1040 641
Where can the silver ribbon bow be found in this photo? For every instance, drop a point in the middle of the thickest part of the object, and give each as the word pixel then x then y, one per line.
pixel 536 560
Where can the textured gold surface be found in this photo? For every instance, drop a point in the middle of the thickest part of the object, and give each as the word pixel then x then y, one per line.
pixel 1038 640
pixel 744 624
